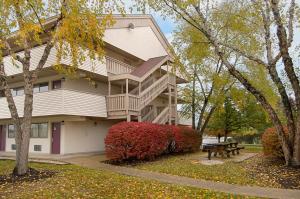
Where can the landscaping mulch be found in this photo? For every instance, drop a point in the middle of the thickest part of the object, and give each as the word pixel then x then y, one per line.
pixel 31 176
pixel 274 170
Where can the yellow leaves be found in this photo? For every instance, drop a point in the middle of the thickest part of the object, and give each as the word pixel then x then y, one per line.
pixel 77 182
pixel 78 36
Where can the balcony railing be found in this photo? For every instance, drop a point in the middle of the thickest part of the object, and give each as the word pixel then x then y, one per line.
pixel 117 67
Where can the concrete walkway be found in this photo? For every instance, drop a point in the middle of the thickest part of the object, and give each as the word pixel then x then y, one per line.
pixel 94 163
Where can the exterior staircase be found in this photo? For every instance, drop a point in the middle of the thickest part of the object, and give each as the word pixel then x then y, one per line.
pixel 136 103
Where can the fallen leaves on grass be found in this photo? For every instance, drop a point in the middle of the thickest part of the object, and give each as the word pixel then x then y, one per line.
pixel 77 182
pixel 273 172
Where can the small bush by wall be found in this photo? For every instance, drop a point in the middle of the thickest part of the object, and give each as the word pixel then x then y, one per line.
pixel 137 140
pixel 186 139
pixel 271 143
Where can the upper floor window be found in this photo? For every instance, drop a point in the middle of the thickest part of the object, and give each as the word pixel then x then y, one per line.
pixel 39 130
pixel 17 91
pixel 56 84
pixel 39 88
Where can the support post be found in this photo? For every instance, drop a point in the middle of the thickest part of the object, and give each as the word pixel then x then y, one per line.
pixel 170 101
pixel 109 88
pixel 176 114
pixel 140 88
pixel 127 102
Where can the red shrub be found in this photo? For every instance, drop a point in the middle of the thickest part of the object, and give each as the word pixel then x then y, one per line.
pixel 137 140
pixel 271 143
pixel 186 139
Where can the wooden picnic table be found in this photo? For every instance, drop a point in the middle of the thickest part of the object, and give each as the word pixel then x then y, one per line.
pixel 221 148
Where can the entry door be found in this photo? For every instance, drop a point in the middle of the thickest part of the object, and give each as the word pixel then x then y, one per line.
pixel 2 138
pixel 56 138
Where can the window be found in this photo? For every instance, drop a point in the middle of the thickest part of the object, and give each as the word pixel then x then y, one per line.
pixel 56 84
pixel 11 131
pixel 20 91
pixel 13 92
pixel 37 130
pixel 17 91
pixel 13 147
pixel 38 88
pixel 37 147
pixel 2 94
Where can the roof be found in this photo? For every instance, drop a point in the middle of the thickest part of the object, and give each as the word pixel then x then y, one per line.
pixel 148 65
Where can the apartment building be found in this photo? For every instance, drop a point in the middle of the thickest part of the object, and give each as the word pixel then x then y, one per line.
pixel 135 82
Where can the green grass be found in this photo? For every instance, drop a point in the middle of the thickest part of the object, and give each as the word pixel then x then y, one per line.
pixel 188 165
pixel 77 182
pixel 253 148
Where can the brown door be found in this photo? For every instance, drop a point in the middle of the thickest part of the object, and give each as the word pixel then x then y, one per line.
pixel 2 138
pixel 56 138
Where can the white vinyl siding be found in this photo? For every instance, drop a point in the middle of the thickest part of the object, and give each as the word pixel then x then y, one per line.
pixel 13 67
pixel 60 102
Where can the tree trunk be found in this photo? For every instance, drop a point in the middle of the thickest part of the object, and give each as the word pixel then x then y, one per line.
pixel 21 167
pixel 291 74
pixel 225 136
pixel 296 154
pixel 193 102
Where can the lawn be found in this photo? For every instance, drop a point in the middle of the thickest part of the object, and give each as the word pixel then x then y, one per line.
pixel 77 182
pixel 253 148
pixel 255 171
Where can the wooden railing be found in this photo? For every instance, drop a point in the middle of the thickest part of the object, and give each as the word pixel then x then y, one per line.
pixel 133 103
pixel 116 102
pixel 123 104
pixel 149 117
pixel 145 84
pixel 163 117
pixel 153 91
pixel 117 67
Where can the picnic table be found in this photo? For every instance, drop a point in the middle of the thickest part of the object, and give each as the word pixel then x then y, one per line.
pixel 222 148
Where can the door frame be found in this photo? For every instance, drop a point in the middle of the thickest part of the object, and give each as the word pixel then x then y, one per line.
pixel 2 137
pixel 52 129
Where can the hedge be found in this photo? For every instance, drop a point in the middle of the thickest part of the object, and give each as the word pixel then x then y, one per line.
pixel 146 141
pixel 186 139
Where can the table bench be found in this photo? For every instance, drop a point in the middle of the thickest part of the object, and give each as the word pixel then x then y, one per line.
pixel 221 148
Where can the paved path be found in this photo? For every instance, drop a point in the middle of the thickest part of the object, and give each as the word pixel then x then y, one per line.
pixel 94 163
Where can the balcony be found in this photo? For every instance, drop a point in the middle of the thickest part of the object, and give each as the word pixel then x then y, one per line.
pixel 60 102
pixel 117 67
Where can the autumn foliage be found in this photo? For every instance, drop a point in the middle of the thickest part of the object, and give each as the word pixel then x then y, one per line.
pixel 271 143
pixel 186 139
pixel 146 141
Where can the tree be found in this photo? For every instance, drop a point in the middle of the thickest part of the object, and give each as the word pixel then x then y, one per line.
pixel 208 80
pixel 75 27
pixel 269 24
pixel 226 120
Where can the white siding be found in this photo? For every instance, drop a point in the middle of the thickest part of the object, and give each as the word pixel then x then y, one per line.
pixel 140 42
pixel 60 102
pixel 14 67
pixel 81 137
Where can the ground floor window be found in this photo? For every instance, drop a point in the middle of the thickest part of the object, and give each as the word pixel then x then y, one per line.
pixel 38 130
